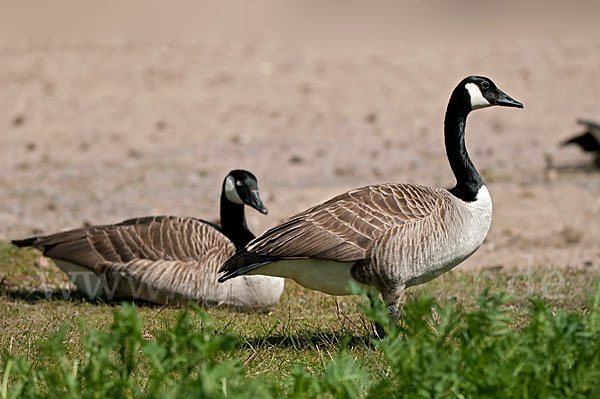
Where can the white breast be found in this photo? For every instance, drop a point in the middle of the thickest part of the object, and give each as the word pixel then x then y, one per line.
pixel 467 225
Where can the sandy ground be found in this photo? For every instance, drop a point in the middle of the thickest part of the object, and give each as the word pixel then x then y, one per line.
pixel 99 133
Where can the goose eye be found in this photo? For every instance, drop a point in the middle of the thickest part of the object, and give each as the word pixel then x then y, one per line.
pixel 238 183
pixel 485 85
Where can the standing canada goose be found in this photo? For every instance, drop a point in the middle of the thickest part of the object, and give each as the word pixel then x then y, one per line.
pixel 165 259
pixel 589 140
pixel 388 236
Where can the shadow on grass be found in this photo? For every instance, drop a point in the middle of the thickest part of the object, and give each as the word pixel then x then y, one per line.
pixel 37 296
pixel 33 296
pixel 316 339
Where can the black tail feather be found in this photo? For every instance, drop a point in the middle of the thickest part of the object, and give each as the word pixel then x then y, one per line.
pixel 241 271
pixel 27 242
pixel 243 262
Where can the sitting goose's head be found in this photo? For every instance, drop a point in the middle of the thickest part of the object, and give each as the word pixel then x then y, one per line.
pixel 241 187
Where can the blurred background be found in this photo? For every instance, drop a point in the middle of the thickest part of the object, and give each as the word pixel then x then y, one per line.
pixel 110 111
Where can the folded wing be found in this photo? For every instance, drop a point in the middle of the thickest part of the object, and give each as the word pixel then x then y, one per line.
pixel 341 229
pixel 156 238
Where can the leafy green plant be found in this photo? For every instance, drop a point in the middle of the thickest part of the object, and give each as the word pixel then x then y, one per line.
pixel 443 351
pixel 180 362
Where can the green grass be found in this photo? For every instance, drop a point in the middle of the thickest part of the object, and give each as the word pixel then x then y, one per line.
pixel 449 343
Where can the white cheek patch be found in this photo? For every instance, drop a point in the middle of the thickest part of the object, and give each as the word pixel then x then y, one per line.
pixel 230 191
pixel 477 99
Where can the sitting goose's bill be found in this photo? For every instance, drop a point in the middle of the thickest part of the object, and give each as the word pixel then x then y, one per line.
pixel 589 140
pixel 387 237
pixel 165 259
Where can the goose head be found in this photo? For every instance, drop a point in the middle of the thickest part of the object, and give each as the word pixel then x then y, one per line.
pixel 475 92
pixel 241 187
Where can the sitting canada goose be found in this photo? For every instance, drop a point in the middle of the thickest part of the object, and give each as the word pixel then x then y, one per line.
pixel 388 236
pixel 165 259
pixel 589 140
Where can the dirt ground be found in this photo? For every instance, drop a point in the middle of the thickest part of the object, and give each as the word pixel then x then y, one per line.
pixel 101 132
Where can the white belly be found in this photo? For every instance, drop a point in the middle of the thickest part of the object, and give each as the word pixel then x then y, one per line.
pixel 86 281
pixel 327 276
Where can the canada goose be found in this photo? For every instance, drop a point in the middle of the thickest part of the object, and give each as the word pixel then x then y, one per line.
pixel 165 259
pixel 589 140
pixel 388 236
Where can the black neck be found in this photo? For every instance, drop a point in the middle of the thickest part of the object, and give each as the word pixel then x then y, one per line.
pixel 468 180
pixel 233 223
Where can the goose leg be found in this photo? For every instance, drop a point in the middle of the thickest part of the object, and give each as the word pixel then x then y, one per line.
pixel 379 330
pixel 393 309
pixel 391 299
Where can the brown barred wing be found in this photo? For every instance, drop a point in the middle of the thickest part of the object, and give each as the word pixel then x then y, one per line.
pixel 341 229
pixel 165 238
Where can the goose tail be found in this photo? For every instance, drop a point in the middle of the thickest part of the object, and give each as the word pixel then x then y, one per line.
pixel 27 242
pixel 242 263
